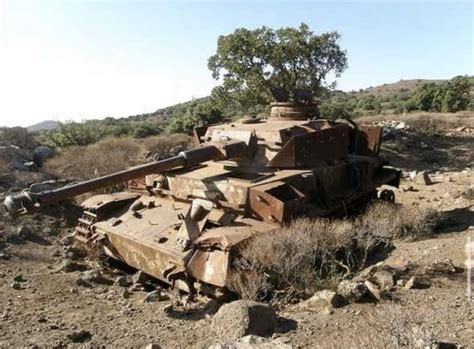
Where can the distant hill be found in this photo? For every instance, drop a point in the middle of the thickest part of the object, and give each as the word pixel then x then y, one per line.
pixel 399 86
pixel 43 125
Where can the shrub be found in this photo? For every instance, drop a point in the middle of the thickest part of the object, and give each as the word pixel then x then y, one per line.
pixel 104 157
pixel 73 134
pixel 334 111
pixel 164 146
pixel 308 254
pixel 112 155
pixel 18 136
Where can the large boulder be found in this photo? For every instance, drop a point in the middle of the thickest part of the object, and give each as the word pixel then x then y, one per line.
pixel 240 318
pixel 17 158
pixel 41 153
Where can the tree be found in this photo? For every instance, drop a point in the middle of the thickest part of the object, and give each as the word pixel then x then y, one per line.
pixel 196 114
pixel 449 96
pixel 251 63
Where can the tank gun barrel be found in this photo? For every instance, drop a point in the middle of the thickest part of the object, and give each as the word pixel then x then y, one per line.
pixel 28 201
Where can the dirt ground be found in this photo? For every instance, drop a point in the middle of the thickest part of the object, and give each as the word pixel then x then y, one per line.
pixel 46 307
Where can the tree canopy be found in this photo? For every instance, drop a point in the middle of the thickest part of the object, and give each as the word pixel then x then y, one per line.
pixel 252 63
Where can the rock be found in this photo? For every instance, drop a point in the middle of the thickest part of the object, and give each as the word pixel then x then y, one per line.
pixel 68 239
pixel 406 188
pixel 153 346
pixel 321 300
pixel 83 283
pixel 122 281
pixel 126 294
pixel 168 308
pixel 441 267
pixel 18 159
pixel 422 178
pixel 15 239
pixel 253 342
pixel 68 266
pixel 4 255
pixel 155 296
pixel 79 336
pixel 240 318
pixel 96 277
pixel 384 279
pixel 139 278
pixel 19 278
pixel 15 285
pixel 74 253
pixel 24 232
pixel 352 291
pixel 40 154
pixel 417 283
pixel 373 290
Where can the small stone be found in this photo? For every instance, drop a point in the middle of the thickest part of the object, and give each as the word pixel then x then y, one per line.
pixel 95 276
pixel 352 291
pixel 68 266
pixel 417 283
pixel 384 279
pixel 4 255
pixel 139 277
pixel 153 346
pixel 19 278
pixel 441 267
pixel 252 339
pixel 15 285
pixel 327 311
pixel 24 232
pixel 122 281
pixel 373 290
pixel 168 308
pixel 81 282
pixel 68 239
pixel 323 299
pixel 79 336
pixel 422 178
pixel 73 253
pixel 406 188
pixel 126 294
pixel 155 296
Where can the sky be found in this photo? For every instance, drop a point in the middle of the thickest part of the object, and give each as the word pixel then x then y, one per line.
pixel 77 60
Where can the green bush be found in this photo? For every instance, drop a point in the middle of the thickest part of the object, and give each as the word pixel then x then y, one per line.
pixel 197 114
pixel 450 96
pixel 333 111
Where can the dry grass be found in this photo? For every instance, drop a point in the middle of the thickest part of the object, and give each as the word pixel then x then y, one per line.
pixel 111 155
pixel 309 254
pixel 388 326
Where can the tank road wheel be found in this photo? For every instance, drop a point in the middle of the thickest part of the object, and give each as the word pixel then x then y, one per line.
pixel 386 195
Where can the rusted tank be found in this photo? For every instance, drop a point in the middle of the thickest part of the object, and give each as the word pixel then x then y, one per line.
pixel 180 218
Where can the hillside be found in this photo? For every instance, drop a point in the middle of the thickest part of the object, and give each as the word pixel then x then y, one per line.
pixel 399 86
pixel 43 125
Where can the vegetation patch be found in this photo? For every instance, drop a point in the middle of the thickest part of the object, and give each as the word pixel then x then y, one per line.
pixel 310 254
pixel 111 155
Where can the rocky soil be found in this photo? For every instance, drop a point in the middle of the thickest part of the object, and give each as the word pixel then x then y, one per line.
pixel 51 296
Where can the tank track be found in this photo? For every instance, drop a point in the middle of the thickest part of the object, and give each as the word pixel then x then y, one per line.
pixel 84 231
